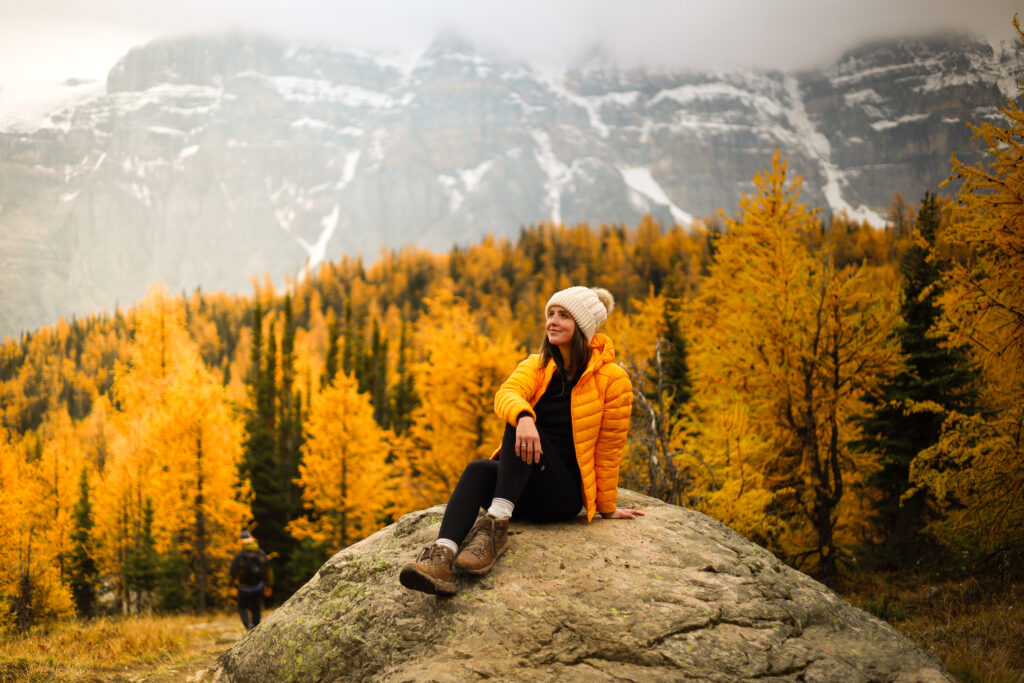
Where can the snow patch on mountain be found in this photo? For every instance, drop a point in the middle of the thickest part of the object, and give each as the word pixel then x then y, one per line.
pixel 26 111
pixel 313 124
pixel 450 185
pixel 852 71
pixel 318 251
pixel 1006 51
pixel 465 181
pixel 819 148
pixel 558 174
pixel 349 169
pixel 310 91
pixel 590 105
pixel 640 180
pixel 709 92
pixel 471 177
pixel 909 118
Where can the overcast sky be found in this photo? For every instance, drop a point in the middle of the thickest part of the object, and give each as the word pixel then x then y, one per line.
pixel 46 41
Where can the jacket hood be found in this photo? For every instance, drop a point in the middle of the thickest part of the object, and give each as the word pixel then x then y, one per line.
pixel 602 351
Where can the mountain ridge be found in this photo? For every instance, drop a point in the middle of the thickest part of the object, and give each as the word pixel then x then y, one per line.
pixel 304 152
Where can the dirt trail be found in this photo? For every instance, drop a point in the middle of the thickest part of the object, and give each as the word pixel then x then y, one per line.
pixel 206 641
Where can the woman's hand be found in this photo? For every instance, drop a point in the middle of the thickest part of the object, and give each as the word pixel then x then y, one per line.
pixel 623 513
pixel 527 440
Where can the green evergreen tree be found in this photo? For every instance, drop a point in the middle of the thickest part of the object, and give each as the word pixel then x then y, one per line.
pixel 172 581
pixel 934 374
pixel 306 560
pixel 403 394
pixel 142 562
pixel 83 570
pixel 331 366
pixel 263 441
pixel 274 537
pixel 378 376
pixel 674 370
pixel 350 357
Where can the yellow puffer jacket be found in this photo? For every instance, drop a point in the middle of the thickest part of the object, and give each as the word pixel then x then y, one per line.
pixel 601 402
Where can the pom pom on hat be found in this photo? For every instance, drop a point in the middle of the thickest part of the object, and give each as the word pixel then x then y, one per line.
pixel 588 306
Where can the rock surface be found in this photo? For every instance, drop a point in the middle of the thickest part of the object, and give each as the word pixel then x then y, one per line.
pixel 672 596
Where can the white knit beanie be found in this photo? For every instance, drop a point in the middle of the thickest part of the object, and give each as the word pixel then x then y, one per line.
pixel 588 306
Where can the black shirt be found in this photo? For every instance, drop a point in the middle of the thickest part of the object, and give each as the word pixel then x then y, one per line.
pixel 554 419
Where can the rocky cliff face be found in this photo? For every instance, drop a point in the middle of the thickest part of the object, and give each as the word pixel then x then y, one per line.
pixel 672 596
pixel 208 161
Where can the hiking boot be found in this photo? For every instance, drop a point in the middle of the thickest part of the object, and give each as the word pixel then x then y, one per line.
pixel 487 541
pixel 432 571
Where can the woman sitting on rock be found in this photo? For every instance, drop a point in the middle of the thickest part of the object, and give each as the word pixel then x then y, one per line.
pixel 566 411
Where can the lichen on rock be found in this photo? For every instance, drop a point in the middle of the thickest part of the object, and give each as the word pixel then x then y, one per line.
pixel 670 596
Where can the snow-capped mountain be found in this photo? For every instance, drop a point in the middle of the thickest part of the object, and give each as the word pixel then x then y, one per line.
pixel 206 161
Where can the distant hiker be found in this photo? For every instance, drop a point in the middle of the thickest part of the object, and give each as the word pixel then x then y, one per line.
pixel 251 573
pixel 566 411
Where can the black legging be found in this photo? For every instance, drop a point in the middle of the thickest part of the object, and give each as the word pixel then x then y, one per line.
pixel 548 491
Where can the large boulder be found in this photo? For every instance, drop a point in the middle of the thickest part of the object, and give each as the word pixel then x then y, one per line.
pixel 671 596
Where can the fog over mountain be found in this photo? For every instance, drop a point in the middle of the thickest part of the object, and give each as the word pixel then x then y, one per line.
pixel 206 161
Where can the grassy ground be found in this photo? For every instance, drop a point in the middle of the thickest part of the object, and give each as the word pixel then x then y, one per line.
pixel 975 628
pixel 143 648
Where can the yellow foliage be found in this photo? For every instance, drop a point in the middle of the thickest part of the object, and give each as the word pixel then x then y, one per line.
pixel 657 458
pixel 34 527
pixel 178 443
pixel 343 474
pixel 459 371
pixel 783 344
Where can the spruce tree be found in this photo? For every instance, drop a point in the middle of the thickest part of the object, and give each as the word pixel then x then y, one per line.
pixel 273 533
pixel 403 395
pixel 83 571
pixel 333 350
pixel 378 377
pixel 264 440
pixel 142 562
pixel 935 374
pixel 350 355
pixel 172 580
pixel 674 371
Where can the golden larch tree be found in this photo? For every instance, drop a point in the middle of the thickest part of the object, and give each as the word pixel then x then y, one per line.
pixel 783 345
pixel 459 371
pixel 31 590
pixel 178 444
pixel 343 474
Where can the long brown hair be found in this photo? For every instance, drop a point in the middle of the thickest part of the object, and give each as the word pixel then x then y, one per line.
pixel 579 350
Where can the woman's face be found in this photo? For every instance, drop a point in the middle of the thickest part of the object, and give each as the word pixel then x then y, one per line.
pixel 560 326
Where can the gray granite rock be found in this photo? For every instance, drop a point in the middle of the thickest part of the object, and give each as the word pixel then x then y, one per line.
pixel 671 596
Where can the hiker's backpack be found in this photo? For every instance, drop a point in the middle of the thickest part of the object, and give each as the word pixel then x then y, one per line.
pixel 252 568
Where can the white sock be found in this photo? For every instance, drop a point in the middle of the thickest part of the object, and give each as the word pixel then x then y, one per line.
pixel 447 543
pixel 500 508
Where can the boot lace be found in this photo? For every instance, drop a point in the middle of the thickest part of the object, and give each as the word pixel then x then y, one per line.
pixel 484 537
pixel 433 554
